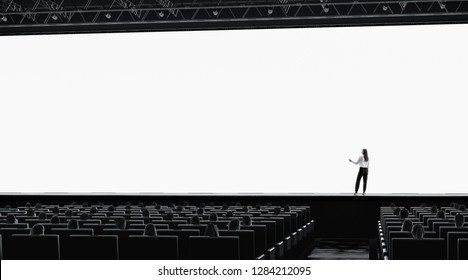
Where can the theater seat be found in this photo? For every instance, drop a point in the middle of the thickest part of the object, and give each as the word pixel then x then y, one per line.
pixel 137 226
pixel 89 247
pixel 463 249
pixel 171 224
pixel 34 247
pixel 19 225
pixel 452 243
pixel 418 249
pixel 260 237
pixel 220 224
pixel 64 239
pixel 280 249
pixel 182 238
pixel 246 242
pixel 98 229
pixel 122 236
pixel 151 248
pixel 270 253
pixel 8 232
pixel 201 228
pixel 271 231
pixel 48 227
pixel 443 230
pixel 214 248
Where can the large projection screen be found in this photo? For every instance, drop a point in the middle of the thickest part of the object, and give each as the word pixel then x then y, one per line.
pixel 257 111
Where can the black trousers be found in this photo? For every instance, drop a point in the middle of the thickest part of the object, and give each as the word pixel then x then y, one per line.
pixel 362 174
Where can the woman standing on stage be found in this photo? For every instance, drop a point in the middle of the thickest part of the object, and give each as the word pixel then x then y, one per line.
pixel 363 162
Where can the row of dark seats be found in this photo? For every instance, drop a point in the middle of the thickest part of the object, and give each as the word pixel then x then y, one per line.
pixel 296 216
pixel 269 236
pixel 423 233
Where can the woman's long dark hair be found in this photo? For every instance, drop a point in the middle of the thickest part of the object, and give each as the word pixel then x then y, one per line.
pixel 364 152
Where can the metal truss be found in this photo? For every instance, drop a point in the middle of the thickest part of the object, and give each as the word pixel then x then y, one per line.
pixel 69 16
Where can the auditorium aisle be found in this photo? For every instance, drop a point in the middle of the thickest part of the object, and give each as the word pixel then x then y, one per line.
pixel 337 249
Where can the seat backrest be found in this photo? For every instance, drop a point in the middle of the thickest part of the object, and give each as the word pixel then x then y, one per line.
pixel 219 224
pixel 396 234
pixel 417 211
pixel 19 225
pixel 64 239
pixel 391 229
pixel 7 232
pixel 123 237
pixel 280 249
pixel 246 242
pixel 418 249
pixel 436 225
pixel 185 219
pixel 183 239
pixel 452 243
pixel 260 237
pixel 93 247
pixel 125 233
pixel 64 219
pixel 431 234
pixel 279 224
pixel 63 232
pixel 22 218
pixel 270 253
pixel 147 220
pixel 48 227
pixel 32 222
pixel 139 226
pixel 89 221
pixel 424 217
pixel 201 228
pixel 286 221
pixel 391 224
pixel 6 235
pixel 171 224
pixel 214 248
pixel 135 222
pixel 271 231
pixel 99 228
pixel 295 220
pixel 463 249
pixel 430 222
pixel 33 247
pixel 444 229
pixel 151 248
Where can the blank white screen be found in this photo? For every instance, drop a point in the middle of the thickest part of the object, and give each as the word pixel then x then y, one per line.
pixel 235 111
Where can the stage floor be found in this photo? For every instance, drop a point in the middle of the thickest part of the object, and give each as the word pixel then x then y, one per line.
pixel 199 194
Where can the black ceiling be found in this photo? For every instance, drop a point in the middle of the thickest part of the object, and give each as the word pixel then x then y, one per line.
pixel 89 16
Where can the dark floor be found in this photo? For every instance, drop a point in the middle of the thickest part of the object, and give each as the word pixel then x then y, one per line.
pixel 336 249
